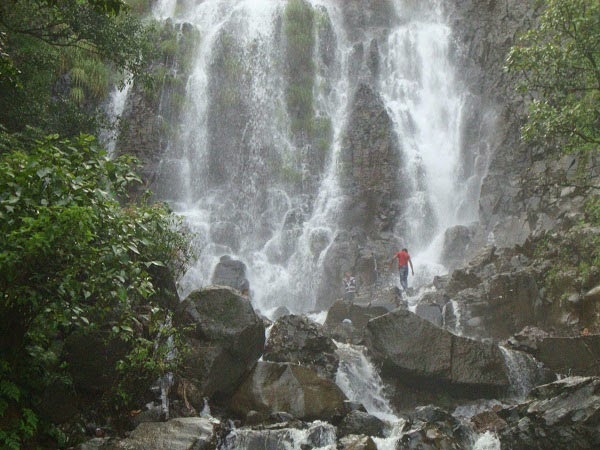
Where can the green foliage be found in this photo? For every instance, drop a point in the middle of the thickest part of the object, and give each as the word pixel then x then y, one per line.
pixel 169 64
pixel 73 257
pixel 54 60
pixel 560 60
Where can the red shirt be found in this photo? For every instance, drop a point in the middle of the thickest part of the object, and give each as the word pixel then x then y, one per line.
pixel 403 258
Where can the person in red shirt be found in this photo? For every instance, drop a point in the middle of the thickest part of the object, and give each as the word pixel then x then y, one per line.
pixel 403 262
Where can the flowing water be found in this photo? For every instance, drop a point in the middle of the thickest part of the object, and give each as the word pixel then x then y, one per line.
pixel 218 168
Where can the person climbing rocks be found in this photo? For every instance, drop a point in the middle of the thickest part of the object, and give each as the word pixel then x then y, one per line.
pixel 403 262
pixel 349 287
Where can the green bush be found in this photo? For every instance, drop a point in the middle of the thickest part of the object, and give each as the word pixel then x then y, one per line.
pixel 74 257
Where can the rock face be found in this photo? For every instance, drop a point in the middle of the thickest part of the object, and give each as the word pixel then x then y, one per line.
pixel 231 272
pixel 297 390
pixel 295 339
pixel 563 414
pixel 226 339
pixel 568 355
pixel 418 353
pixel 370 164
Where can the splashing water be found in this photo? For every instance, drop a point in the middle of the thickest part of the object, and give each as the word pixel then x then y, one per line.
pixel 360 381
pixel 524 372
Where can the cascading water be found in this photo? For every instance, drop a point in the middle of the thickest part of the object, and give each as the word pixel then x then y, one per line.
pixel 247 176
pixel 524 372
pixel 425 100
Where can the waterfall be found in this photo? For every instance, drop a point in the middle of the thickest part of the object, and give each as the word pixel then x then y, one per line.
pixel 254 166
pixel 524 372
pixel 360 381
pixel 425 99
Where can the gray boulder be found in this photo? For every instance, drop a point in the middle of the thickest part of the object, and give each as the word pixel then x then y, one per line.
pixel 570 355
pixel 346 322
pixel 361 423
pixel 297 390
pixel 226 338
pixel 232 273
pixel 563 414
pixel 410 347
pixel 297 340
pixel 185 433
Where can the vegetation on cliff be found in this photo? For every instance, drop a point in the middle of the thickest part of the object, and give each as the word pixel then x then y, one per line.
pixel 77 256
pixel 560 63
pixel 307 127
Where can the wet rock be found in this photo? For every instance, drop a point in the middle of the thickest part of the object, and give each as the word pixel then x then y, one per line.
pixel 431 307
pixel 456 241
pixel 528 339
pixel 190 433
pixel 357 442
pixel 570 355
pixel 432 428
pixel 370 164
pixel 226 338
pixel 287 435
pixel 346 322
pixel 563 414
pixel 297 340
pixel 408 346
pixel 488 421
pixel 232 273
pixel 297 390
pixel 361 423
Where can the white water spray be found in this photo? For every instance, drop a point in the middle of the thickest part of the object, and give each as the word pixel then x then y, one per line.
pixel 283 234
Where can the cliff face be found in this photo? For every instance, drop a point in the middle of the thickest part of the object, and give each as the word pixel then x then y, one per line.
pixel 531 201
pixel 522 194
pixel 259 136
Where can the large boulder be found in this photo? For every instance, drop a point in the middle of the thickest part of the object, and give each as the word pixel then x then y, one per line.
pixel 563 414
pixel 226 337
pixel 346 322
pixel 231 272
pixel 297 390
pixel 361 423
pixel 185 433
pixel 296 339
pixel 570 355
pixel 413 349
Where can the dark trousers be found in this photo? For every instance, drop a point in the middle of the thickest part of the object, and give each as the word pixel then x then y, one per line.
pixel 403 272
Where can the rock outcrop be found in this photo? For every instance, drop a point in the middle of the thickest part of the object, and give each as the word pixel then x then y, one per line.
pixel 297 390
pixel 231 272
pixel 297 340
pixel 579 355
pixel 186 433
pixel 414 352
pixel 226 338
pixel 563 414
